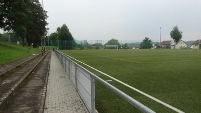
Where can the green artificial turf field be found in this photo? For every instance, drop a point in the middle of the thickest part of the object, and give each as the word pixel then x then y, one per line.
pixel 173 76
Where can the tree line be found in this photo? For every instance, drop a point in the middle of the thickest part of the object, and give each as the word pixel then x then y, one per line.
pixel 175 34
pixel 24 18
pixel 62 38
pixel 146 43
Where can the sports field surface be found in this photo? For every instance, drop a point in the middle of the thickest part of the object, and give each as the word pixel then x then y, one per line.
pixel 172 76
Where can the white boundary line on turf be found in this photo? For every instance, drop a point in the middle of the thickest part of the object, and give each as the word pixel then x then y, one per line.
pixel 135 89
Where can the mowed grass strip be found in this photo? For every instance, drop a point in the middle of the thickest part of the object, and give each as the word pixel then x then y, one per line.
pixel 173 76
pixel 11 52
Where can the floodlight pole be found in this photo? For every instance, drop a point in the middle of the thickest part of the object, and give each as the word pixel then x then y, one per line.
pixel 160 34
pixel 42 3
pixel 44 36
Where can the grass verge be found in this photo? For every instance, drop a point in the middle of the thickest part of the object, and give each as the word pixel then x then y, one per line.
pixel 10 52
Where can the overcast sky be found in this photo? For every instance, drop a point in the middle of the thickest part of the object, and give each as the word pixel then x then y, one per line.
pixel 125 19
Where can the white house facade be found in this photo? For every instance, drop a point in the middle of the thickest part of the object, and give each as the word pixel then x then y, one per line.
pixel 180 45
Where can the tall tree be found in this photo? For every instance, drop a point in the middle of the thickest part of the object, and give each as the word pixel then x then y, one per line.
pixel 36 29
pixel 26 18
pixel 146 43
pixel 113 42
pixel 64 33
pixel 13 16
pixel 125 46
pixel 175 34
pixel 65 37
pixel 53 36
pixel 58 30
pixel 53 39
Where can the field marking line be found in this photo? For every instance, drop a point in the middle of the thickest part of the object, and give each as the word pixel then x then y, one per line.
pixel 135 89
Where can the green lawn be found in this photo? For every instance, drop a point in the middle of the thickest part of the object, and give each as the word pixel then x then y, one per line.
pixel 10 52
pixel 173 76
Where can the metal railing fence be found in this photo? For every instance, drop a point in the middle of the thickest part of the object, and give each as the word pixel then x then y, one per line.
pixel 84 82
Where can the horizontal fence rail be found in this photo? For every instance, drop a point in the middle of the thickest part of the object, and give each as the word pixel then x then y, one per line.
pixel 84 82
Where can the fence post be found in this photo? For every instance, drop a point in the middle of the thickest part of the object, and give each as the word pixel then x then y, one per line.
pixel 76 78
pixel 92 94
pixel 69 68
pixel 65 62
pixel 62 60
pixel 59 56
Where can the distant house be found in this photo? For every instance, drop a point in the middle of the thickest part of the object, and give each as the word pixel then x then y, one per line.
pixel 170 44
pixel 165 44
pixel 189 43
pixel 154 46
pixel 196 44
pixel 137 47
pixel 181 44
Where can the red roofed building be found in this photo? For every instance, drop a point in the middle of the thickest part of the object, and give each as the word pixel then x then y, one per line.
pixel 170 44
pixel 165 44
pixel 197 44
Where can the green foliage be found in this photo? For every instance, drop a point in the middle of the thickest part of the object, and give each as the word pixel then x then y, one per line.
pixel 10 37
pixel 175 34
pixel 53 36
pixel 66 40
pixel 9 52
pixel 64 33
pixel 113 42
pixel 58 29
pixel 37 24
pixel 62 38
pixel 125 46
pixel 25 18
pixel 14 16
pixel 66 44
pixel 146 43
pixel 97 45
pixel 53 39
pixel 5 35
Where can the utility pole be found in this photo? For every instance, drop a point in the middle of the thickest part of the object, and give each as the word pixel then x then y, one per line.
pixel 160 35
pixel 42 3
pixel 43 36
pixel 48 29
